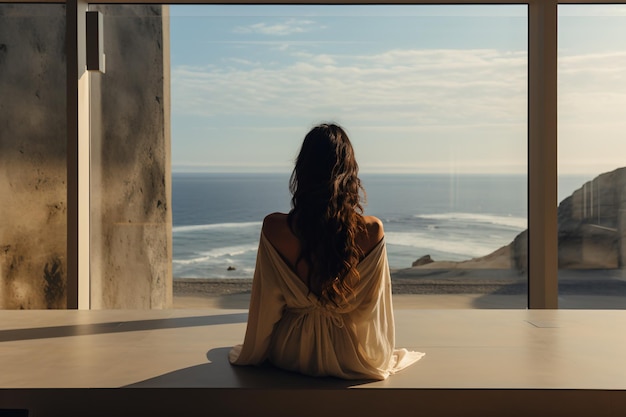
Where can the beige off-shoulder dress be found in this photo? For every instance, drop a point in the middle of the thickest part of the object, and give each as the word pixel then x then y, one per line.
pixel 290 327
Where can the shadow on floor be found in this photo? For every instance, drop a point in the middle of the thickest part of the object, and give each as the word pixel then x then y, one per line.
pixel 120 327
pixel 219 373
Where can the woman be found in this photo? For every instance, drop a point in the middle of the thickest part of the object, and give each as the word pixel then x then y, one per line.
pixel 321 294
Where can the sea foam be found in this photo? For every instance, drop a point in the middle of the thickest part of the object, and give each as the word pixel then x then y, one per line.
pixel 519 223
pixel 221 252
pixel 425 243
pixel 215 226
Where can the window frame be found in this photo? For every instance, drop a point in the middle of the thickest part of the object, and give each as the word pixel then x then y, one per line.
pixel 541 141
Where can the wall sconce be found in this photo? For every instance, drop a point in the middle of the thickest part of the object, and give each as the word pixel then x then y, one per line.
pixel 95 43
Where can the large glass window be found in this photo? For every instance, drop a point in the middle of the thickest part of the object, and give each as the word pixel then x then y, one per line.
pixel 32 156
pixel 592 161
pixel 434 99
pixel 460 68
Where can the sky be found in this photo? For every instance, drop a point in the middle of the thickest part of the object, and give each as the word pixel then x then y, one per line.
pixel 424 89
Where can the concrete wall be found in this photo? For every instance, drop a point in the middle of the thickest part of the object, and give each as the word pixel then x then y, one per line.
pixel 131 215
pixel 32 156
pixel 131 210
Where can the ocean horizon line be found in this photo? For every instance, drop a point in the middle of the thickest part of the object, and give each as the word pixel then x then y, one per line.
pixel 373 172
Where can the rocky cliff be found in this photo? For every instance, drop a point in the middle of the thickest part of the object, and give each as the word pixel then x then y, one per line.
pixel 592 231
pixel 591 224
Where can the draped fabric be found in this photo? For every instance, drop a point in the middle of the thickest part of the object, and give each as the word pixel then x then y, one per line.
pixel 288 325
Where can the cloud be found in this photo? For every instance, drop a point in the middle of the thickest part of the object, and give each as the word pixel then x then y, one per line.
pixel 591 103
pixel 398 86
pixel 431 107
pixel 465 106
pixel 592 88
pixel 287 27
pixel 591 10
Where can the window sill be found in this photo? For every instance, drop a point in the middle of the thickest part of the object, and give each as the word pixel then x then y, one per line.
pixel 478 362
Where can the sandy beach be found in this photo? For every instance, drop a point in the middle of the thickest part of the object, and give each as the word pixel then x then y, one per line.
pixel 437 288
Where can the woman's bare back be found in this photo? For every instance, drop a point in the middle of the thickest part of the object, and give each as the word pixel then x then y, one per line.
pixel 276 229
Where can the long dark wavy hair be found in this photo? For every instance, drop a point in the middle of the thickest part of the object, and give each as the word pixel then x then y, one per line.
pixel 326 213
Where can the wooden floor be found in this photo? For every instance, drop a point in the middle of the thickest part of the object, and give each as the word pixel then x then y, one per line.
pixel 174 363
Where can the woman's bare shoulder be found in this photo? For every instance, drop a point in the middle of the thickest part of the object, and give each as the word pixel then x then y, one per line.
pixel 375 233
pixel 373 222
pixel 275 224
pixel 274 219
pixel 276 229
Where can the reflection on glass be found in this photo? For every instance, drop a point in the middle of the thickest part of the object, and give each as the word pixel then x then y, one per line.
pixel 592 173
pixel 433 98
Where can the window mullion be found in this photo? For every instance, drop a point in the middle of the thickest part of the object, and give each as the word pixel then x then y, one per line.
pixel 542 155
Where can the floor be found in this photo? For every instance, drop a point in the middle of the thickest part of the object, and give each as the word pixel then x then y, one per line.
pixel 478 362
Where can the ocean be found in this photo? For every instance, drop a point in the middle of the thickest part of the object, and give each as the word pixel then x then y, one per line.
pixel 217 216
